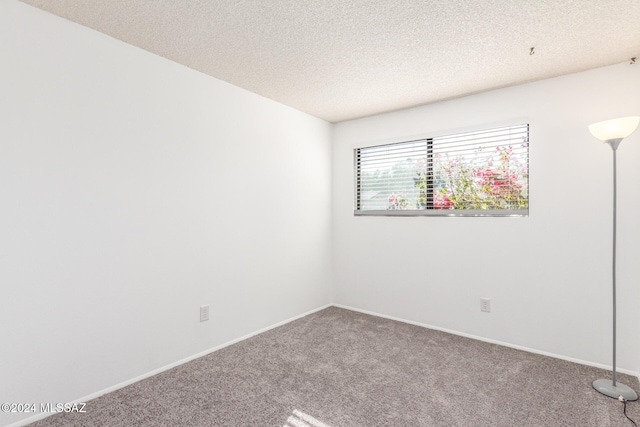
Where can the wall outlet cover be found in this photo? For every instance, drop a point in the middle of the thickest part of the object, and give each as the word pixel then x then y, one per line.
pixel 204 313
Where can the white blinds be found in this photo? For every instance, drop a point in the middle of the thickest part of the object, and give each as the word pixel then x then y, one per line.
pixel 481 172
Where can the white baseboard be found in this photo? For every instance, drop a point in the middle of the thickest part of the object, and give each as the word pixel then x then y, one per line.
pixel 492 341
pixel 91 396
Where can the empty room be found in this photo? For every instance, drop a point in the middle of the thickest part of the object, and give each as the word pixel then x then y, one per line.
pixel 319 213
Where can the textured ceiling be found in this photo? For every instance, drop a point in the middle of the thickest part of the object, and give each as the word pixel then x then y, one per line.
pixel 339 60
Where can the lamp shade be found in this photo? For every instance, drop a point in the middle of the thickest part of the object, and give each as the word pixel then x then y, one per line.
pixel 615 128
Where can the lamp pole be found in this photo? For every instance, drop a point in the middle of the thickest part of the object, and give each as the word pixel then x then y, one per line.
pixel 614 147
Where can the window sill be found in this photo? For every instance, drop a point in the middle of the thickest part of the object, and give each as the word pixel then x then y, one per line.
pixel 448 212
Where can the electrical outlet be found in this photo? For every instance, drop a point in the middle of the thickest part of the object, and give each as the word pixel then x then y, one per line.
pixel 485 305
pixel 204 313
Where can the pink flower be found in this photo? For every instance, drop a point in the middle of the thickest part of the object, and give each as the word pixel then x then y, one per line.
pixel 441 201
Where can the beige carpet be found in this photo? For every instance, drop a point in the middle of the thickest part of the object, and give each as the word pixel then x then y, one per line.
pixel 341 368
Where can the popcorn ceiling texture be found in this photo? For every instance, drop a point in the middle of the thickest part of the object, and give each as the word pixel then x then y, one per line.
pixel 339 60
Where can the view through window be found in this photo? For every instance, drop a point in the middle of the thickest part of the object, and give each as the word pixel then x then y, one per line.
pixel 473 173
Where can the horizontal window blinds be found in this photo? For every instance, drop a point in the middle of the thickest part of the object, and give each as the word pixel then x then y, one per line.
pixel 474 172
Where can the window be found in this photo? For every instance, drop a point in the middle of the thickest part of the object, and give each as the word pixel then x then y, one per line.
pixel 482 173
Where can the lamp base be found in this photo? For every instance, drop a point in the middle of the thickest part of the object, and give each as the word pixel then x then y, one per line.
pixel 607 388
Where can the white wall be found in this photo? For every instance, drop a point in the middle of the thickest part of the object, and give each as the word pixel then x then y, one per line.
pixel 548 275
pixel 133 191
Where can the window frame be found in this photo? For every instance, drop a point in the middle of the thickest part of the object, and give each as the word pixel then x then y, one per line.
pixel 519 213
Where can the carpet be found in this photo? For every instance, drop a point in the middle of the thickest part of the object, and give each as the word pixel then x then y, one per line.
pixel 339 368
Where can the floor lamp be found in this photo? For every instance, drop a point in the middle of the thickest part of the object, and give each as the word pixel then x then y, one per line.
pixel 613 132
